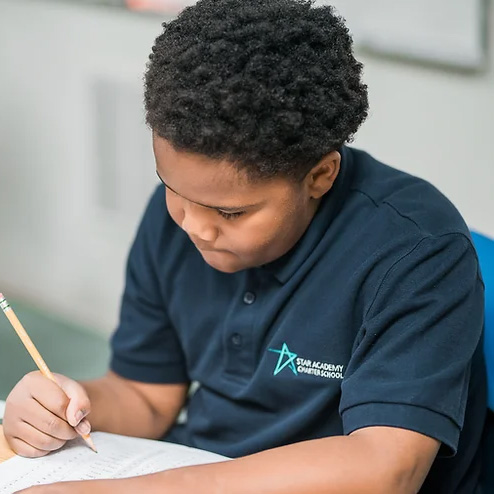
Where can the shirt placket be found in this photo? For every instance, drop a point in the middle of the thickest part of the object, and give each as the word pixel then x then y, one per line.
pixel 239 330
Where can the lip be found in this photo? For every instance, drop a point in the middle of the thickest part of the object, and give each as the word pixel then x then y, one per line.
pixel 213 250
pixel 207 249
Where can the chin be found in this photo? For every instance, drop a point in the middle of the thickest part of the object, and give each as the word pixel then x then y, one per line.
pixel 224 265
pixel 228 270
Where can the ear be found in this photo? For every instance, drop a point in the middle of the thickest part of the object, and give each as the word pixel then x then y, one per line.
pixel 321 178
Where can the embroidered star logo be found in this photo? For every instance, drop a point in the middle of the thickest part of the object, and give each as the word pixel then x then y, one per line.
pixel 290 357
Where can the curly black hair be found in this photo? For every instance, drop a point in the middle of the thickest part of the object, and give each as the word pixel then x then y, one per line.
pixel 269 85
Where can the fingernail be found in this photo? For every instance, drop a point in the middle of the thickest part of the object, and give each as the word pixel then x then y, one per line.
pixel 79 415
pixel 83 428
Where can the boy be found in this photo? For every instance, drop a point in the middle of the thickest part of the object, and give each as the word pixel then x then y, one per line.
pixel 329 306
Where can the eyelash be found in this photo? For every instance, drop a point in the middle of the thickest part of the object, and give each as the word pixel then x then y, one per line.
pixel 230 216
pixel 227 216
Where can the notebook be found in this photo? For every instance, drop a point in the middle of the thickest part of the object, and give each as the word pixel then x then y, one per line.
pixel 117 457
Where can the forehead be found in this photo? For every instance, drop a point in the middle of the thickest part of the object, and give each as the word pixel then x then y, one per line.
pixel 210 181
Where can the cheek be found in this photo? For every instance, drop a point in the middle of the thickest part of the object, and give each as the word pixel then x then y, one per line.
pixel 279 230
pixel 265 231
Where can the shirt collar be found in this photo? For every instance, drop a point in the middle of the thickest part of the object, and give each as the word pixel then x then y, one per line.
pixel 286 266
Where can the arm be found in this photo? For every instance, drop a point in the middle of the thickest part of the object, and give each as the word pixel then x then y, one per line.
pixel 122 406
pixel 147 385
pixel 380 460
pixel 372 460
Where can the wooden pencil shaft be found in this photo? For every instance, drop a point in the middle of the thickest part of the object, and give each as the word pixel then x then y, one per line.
pixel 26 340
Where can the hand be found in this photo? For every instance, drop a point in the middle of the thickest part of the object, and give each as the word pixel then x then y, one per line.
pixel 40 416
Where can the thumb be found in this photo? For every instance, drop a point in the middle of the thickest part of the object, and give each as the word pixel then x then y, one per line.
pixel 79 405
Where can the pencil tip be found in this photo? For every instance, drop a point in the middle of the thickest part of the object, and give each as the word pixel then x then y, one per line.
pixel 90 443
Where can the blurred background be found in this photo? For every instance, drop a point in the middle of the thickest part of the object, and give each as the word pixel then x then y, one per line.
pixel 76 166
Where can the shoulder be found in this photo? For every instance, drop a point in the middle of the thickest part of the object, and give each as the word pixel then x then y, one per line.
pixel 156 213
pixel 393 223
pixel 401 202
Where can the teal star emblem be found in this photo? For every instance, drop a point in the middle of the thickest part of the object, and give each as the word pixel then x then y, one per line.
pixel 290 357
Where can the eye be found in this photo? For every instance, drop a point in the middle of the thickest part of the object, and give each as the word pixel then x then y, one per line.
pixel 230 216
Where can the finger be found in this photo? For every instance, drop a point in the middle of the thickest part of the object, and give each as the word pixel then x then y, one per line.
pixel 22 448
pixel 37 439
pixel 45 421
pixel 83 428
pixel 48 394
pixel 79 405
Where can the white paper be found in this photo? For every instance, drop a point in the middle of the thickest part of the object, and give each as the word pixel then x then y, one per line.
pixel 117 457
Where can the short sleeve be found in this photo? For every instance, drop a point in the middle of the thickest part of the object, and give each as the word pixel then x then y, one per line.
pixel 145 346
pixel 411 367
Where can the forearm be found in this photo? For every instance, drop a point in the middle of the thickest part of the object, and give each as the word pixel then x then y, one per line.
pixel 372 460
pixel 343 465
pixel 119 408
pixel 334 465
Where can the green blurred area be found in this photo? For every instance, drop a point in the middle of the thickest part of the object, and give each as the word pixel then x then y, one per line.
pixel 68 349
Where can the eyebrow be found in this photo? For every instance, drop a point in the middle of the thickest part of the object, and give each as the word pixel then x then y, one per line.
pixel 219 208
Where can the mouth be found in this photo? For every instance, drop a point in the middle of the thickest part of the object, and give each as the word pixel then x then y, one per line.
pixel 211 251
pixel 205 248
pixel 201 247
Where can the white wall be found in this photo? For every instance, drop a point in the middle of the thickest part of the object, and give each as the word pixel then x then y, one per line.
pixel 58 246
pixel 63 245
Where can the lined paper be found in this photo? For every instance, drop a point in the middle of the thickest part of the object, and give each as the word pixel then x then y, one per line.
pixel 118 457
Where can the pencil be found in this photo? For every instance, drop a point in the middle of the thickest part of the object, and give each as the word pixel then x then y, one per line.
pixel 38 359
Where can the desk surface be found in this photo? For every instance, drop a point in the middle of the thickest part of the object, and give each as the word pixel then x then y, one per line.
pixel 5 451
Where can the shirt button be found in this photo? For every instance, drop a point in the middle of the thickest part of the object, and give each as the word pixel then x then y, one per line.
pixel 237 340
pixel 249 298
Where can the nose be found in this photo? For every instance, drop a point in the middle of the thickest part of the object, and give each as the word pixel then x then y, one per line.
pixel 197 224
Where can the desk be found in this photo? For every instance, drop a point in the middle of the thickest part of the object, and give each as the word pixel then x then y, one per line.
pixel 5 451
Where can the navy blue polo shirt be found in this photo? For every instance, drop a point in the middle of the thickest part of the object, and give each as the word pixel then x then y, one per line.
pixel 373 318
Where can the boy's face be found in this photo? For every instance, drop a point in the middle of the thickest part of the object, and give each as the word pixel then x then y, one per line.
pixel 234 223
